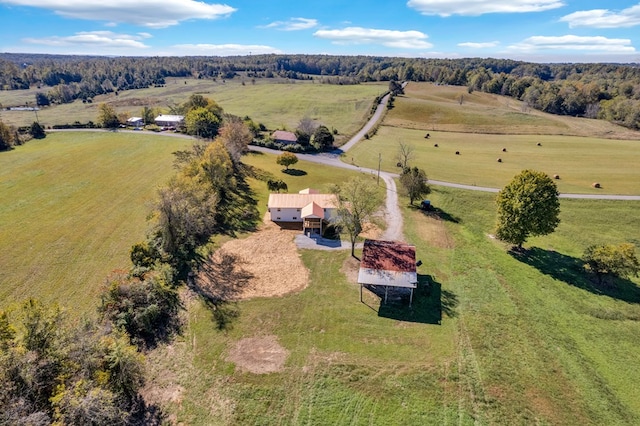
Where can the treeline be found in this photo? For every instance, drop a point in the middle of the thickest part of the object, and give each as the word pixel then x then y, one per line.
pixel 597 90
pixel 57 371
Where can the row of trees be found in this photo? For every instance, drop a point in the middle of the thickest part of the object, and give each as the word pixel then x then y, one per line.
pixel 11 136
pixel 606 91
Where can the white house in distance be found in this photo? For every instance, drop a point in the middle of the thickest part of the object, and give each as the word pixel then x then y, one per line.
pixel 135 122
pixel 308 206
pixel 169 120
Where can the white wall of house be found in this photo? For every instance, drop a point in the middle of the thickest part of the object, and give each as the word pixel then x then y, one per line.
pixel 293 214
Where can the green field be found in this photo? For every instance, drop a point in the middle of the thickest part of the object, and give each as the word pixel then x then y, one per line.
pixel 579 161
pixel 491 339
pixel 276 104
pixel 72 206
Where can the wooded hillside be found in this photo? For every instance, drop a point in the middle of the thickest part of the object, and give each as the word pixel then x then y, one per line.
pixel 605 91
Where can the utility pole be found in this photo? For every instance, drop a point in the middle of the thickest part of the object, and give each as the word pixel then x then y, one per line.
pixel 379 160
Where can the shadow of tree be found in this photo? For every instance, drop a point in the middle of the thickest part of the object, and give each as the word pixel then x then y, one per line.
pixel 294 172
pixel 571 271
pixel 237 210
pixel 430 302
pixel 219 282
pixel 146 414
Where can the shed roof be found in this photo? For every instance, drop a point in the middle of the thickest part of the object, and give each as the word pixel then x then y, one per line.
pixel 169 118
pixel 298 201
pixel 134 119
pixel 388 263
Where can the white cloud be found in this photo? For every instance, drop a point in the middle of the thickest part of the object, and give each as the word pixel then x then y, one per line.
pixel 293 24
pixel 94 39
pixel 603 18
pixel 475 45
pixel 221 49
pixel 147 13
pixel 571 42
pixel 480 7
pixel 388 38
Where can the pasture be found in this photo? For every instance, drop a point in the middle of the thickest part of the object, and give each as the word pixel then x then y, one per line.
pixel 579 161
pixel 491 338
pixel 72 206
pixel 275 103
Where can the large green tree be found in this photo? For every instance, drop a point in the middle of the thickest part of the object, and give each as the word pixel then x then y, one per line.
pixel 286 159
pixel 358 199
pixel 414 183
pixel 527 206
pixel 7 138
pixel 323 138
pixel 201 122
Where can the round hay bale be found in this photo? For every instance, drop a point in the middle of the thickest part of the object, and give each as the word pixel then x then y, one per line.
pixel 556 176
pixel 539 144
pixel 499 160
pixel 435 145
pixel 504 149
pixel 457 152
pixel 596 184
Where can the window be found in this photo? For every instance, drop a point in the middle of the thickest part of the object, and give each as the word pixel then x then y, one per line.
pixel 294 218
pixel 277 218
pixel 278 209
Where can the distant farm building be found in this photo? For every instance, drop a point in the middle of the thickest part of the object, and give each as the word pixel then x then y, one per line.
pixel 135 122
pixel 388 264
pixel 284 137
pixel 308 206
pixel 169 120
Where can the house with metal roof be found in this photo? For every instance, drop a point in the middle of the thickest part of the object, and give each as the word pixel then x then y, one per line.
pixel 284 137
pixel 388 264
pixel 309 207
pixel 169 120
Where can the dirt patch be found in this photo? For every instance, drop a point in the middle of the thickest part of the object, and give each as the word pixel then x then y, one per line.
pixel 350 269
pixel 270 260
pixel 259 355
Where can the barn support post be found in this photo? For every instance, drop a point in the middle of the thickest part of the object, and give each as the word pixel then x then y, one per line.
pixel 360 292
pixel 411 297
pixel 386 287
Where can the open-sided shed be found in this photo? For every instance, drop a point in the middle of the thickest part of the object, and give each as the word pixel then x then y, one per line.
pixel 388 264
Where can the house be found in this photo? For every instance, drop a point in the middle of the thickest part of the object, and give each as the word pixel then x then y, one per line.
pixel 169 120
pixel 388 264
pixel 135 122
pixel 308 207
pixel 284 137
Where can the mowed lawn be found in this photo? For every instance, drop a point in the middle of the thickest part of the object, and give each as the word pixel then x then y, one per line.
pixel 491 338
pixel 578 161
pixel 72 206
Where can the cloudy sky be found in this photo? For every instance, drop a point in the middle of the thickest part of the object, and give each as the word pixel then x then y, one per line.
pixel 534 30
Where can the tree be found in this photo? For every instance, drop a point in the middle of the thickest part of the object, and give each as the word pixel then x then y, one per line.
pixel 107 116
pixel 277 185
pixel 236 137
pixel 306 127
pixel 357 199
pixel 148 115
pixel 414 182
pixel 287 159
pixel 202 122
pixel 37 131
pixel 405 154
pixel 395 88
pixel 528 205
pixel 7 137
pixel 42 99
pixel 322 138
pixel 609 260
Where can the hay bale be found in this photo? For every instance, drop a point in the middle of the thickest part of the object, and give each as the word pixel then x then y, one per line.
pixel 457 152
pixel 435 145
pixel 504 149
pixel 596 184
pixel 556 176
pixel 499 160
pixel 539 144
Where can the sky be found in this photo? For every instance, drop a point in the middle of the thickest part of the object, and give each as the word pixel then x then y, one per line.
pixel 529 30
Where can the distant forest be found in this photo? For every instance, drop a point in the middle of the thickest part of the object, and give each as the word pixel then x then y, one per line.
pixel 597 90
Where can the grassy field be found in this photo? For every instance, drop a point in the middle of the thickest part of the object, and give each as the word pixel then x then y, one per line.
pixel 491 339
pixel 580 151
pixel 72 206
pixel 579 161
pixel 280 104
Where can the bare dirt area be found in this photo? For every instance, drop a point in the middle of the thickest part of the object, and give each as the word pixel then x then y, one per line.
pixel 270 262
pixel 258 355
pixel 432 229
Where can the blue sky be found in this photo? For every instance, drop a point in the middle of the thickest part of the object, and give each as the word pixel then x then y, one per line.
pixel 532 30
